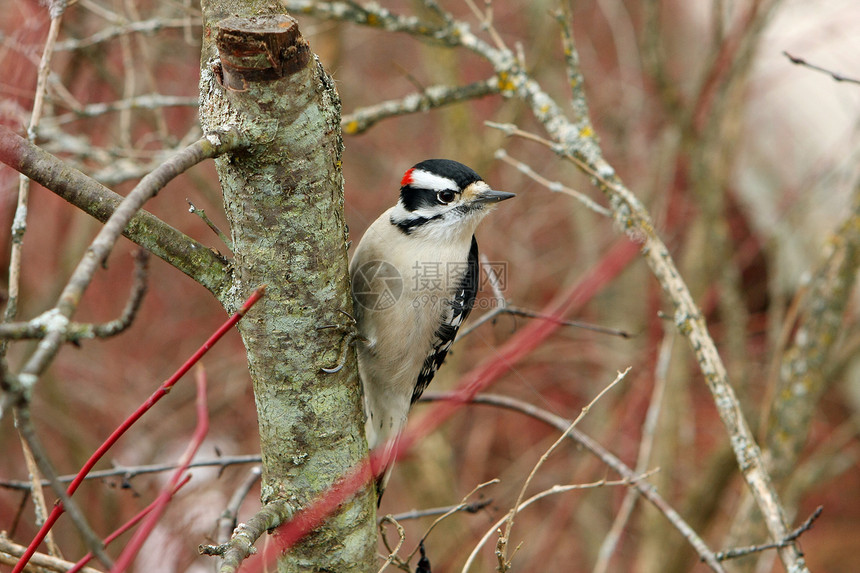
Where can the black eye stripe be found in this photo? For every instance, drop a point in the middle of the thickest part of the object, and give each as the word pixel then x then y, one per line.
pixel 414 199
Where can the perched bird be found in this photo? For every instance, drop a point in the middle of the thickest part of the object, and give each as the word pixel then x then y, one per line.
pixel 414 277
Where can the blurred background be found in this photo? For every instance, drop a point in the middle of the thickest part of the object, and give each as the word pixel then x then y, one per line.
pixel 747 162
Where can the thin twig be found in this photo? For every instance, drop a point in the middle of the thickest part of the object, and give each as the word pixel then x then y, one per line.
pixel 554 186
pixel 607 548
pixel 19 222
pixel 230 516
pixel 473 507
pixel 494 280
pixel 151 101
pixel 202 214
pixel 442 14
pixel 788 540
pixel 646 490
pixel 66 504
pixel 241 544
pixel 835 75
pixel 127 473
pixel 138 290
pixel 538 496
pixel 432 97
pixel 575 79
pixel 144 26
pixel 392 553
pixel 38 495
pixel 509 522
pixel 460 507
pixel 518 311
pixel 485 19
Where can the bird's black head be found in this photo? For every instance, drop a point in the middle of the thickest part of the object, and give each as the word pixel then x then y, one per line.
pixel 438 194
pixel 423 184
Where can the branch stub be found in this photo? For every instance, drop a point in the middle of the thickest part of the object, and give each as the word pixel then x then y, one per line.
pixel 259 49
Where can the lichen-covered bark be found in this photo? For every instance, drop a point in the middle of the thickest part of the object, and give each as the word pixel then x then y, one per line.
pixel 283 195
pixel 803 375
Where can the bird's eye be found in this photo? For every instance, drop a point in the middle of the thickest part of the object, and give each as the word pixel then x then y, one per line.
pixel 446 196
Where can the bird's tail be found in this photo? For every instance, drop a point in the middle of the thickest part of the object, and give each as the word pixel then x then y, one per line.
pixel 385 464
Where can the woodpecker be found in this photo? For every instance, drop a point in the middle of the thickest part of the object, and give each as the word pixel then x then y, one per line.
pixel 414 278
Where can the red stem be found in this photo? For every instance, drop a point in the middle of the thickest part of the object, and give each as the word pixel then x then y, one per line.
pixel 125 527
pixel 58 509
pixel 140 536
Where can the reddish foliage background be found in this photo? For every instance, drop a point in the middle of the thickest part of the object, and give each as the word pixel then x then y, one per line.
pixel 545 240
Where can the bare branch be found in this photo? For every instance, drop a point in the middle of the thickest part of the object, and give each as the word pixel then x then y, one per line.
pixel 144 229
pixel 138 289
pixel 473 507
pixel 607 548
pixel 92 541
pixel 10 553
pixel 392 558
pixel 38 495
pixel 229 517
pixel 462 505
pixel 526 313
pixel 129 473
pixel 241 545
pixel 147 101
pixel 19 223
pixel 509 523
pixel 209 223
pixel 103 243
pixel 144 27
pixel 363 119
pixel 524 504
pixel 802 372
pixel 575 78
pixel 788 540
pixel 485 19
pixel 646 490
pixel 376 16
pixel 553 186
pixel 835 75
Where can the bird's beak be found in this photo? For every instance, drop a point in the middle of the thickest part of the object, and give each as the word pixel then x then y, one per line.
pixel 492 196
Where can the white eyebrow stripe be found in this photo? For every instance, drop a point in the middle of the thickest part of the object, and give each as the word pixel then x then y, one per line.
pixel 426 180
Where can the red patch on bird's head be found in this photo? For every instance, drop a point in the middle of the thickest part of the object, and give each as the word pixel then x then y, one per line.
pixel 407 178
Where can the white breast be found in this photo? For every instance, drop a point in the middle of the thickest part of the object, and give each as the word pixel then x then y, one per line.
pixel 399 324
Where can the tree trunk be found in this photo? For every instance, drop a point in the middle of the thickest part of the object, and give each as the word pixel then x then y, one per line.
pixel 283 195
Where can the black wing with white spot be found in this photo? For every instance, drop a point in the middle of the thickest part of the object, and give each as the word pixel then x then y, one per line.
pixel 455 313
